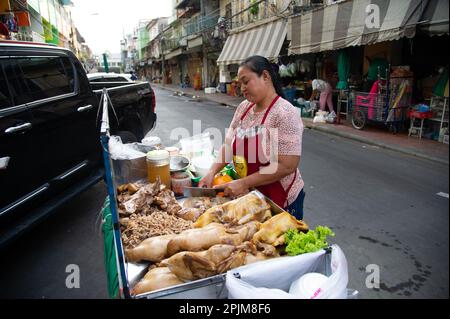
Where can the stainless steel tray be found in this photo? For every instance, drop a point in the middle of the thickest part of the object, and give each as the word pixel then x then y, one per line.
pixel 209 288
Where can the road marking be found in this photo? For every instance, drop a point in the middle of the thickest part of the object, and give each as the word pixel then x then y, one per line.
pixel 442 194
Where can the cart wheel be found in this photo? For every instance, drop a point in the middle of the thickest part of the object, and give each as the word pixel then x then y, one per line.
pixel 358 120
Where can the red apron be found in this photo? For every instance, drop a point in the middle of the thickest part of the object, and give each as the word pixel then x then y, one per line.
pixel 246 145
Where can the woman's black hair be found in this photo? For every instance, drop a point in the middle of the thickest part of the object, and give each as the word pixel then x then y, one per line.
pixel 258 64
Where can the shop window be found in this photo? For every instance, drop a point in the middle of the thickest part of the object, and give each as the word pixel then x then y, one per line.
pixel 38 78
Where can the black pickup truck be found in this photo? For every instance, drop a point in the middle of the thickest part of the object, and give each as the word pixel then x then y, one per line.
pixel 49 130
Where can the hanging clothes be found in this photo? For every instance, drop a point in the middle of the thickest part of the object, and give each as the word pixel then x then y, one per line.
pixel 439 88
pixel 4 32
pixel 343 70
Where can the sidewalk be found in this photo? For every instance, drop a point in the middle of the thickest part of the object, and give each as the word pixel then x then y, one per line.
pixel 426 149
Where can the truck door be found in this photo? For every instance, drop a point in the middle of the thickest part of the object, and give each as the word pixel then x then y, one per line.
pixel 20 184
pixel 64 119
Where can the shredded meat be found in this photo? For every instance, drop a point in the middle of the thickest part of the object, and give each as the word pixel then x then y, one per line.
pixel 148 210
pixel 140 227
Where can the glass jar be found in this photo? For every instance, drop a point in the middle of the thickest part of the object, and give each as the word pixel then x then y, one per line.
pixel 180 180
pixel 158 164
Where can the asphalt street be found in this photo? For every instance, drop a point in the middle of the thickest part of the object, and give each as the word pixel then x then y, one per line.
pixel 383 206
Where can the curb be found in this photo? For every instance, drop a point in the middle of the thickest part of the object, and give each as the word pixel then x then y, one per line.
pixel 379 144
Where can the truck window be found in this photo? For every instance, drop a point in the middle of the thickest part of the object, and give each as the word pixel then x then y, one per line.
pixel 36 78
pixel 5 99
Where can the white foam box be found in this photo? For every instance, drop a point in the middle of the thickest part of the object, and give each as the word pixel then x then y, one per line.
pixel 210 90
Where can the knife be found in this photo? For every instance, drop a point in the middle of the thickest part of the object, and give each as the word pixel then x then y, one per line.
pixel 201 191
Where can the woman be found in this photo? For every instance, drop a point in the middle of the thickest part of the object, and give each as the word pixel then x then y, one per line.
pixel 262 123
pixel 326 95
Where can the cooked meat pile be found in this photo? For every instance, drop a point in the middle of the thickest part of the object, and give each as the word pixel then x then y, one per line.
pixel 146 211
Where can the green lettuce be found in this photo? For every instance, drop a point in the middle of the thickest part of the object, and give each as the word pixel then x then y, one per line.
pixel 314 240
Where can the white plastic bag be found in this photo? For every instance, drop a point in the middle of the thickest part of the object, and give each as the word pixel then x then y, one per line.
pixel 129 164
pixel 120 151
pixel 321 117
pixel 257 281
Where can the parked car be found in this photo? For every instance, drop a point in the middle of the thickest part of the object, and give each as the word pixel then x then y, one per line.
pixel 49 130
pixel 109 77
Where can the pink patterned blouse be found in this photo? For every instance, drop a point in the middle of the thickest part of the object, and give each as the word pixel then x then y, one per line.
pixel 285 119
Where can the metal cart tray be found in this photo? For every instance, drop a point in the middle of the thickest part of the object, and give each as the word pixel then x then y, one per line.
pixel 208 288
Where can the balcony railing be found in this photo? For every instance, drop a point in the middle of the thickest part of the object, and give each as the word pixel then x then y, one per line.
pixel 175 43
pixel 200 23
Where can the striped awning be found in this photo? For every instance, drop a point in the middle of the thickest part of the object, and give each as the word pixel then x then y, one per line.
pixel 265 40
pixel 435 18
pixel 351 23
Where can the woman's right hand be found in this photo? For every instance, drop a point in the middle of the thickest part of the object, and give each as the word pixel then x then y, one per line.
pixel 207 180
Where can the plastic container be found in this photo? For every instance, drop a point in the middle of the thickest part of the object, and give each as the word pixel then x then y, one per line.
pixel 158 164
pixel 173 150
pixel 290 93
pixel 179 181
pixel 202 164
pixel 307 286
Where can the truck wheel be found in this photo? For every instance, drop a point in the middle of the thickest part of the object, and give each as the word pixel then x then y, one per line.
pixel 127 137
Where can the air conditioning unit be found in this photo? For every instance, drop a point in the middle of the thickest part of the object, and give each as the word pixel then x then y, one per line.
pixel 183 42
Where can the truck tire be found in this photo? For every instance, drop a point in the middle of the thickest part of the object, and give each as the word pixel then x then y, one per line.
pixel 127 137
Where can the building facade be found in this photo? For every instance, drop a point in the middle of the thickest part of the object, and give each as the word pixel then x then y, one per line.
pixel 42 21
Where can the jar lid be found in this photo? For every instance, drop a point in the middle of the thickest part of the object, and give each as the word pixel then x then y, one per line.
pixel 157 155
pixel 172 149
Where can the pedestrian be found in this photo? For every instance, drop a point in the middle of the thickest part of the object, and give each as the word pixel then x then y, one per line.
pixel 133 76
pixel 264 139
pixel 326 95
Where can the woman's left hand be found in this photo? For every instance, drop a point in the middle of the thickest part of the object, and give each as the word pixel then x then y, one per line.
pixel 235 188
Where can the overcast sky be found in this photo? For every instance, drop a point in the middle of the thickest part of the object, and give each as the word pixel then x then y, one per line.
pixel 102 23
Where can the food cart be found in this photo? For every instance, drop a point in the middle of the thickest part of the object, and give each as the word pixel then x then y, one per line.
pixel 123 275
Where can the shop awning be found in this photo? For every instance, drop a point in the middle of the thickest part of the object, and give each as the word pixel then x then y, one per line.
pixel 435 18
pixel 350 23
pixel 265 40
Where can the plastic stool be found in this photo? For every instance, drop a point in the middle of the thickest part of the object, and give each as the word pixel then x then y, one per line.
pixel 413 115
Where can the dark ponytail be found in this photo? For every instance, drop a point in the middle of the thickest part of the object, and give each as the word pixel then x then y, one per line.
pixel 258 64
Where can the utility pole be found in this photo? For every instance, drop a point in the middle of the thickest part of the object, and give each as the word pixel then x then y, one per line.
pixel 204 40
pixel 163 69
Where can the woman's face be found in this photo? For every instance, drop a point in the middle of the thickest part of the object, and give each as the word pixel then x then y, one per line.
pixel 253 87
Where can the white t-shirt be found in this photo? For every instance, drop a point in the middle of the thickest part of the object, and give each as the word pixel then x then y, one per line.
pixel 319 85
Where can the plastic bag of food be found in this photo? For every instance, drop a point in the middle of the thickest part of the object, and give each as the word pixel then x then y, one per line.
pixel 256 281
